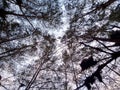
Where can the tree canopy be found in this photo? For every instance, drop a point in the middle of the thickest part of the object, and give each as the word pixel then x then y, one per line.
pixel 59 44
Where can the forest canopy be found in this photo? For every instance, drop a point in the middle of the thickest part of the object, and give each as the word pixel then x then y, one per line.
pixel 59 45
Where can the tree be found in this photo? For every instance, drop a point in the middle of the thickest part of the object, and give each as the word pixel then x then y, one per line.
pixel 90 34
pixel 85 56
